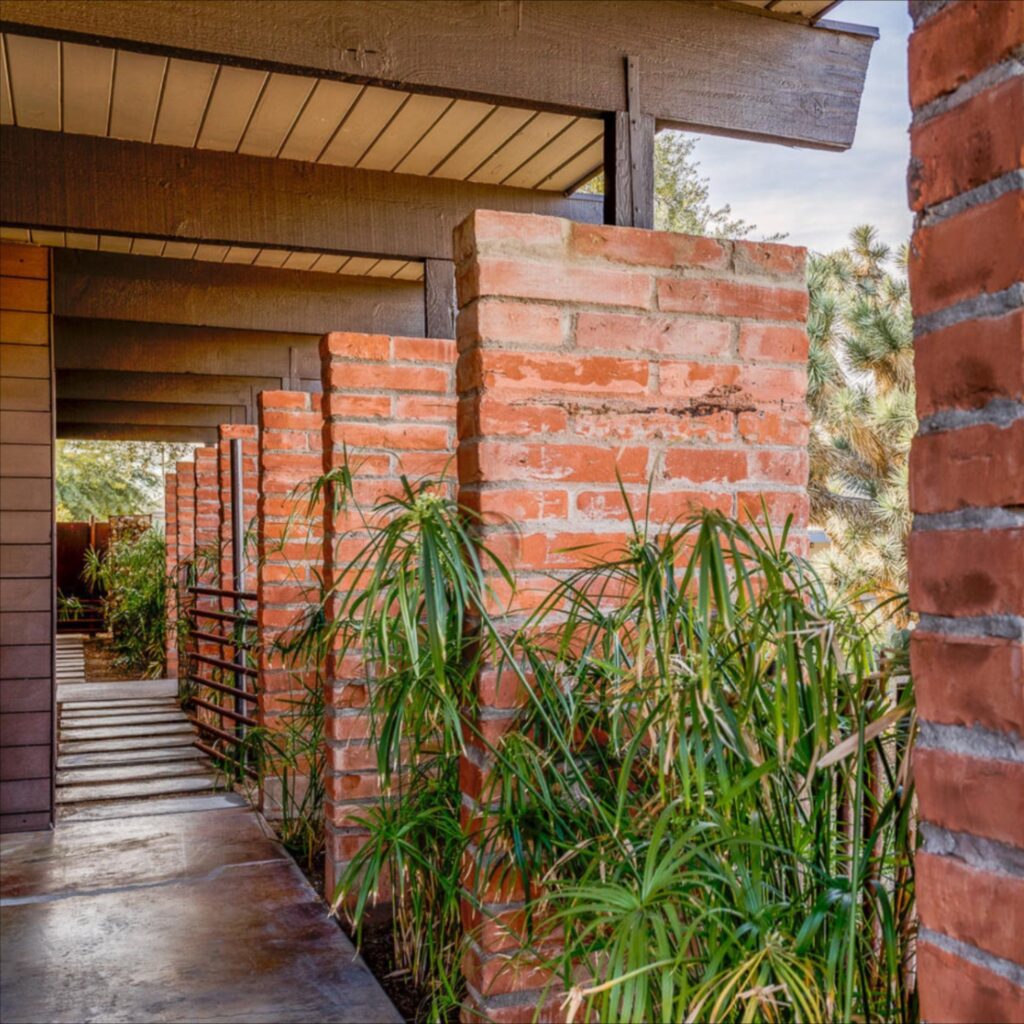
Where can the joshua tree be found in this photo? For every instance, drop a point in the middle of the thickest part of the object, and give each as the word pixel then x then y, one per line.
pixel 861 393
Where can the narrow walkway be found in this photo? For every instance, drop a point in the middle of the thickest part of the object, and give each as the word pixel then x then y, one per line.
pixel 169 908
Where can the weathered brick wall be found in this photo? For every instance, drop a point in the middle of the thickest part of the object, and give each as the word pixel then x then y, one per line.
pixel 967 492
pixel 171 568
pixel 588 350
pixel 185 510
pixel 390 403
pixel 290 552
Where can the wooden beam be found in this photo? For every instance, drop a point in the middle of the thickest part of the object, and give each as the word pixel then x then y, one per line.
pixel 81 183
pixel 629 159
pixel 707 69
pixel 74 412
pixel 130 386
pixel 439 298
pixel 155 289
pixel 83 344
pixel 135 432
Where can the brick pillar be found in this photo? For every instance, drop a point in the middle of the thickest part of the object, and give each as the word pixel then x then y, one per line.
pixel 171 563
pixel 185 506
pixel 226 433
pixel 290 552
pixel 389 402
pixel 967 492
pixel 589 350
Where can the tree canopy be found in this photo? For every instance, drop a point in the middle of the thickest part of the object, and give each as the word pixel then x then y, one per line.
pixel 100 479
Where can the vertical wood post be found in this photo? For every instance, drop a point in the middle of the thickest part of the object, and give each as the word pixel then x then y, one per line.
pixel 629 160
pixel 439 298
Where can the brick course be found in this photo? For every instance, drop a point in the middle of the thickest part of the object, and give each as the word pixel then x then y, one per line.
pixel 966 554
pixel 590 355
pixel 389 408
pixel 290 552
pixel 171 569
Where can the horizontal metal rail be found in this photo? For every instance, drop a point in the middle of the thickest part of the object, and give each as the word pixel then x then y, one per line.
pixel 214 752
pixel 230 666
pixel 231 691
pixel 222 640
pixel 246 617
pixel 228 737
pixel 233 715
pixel 242 595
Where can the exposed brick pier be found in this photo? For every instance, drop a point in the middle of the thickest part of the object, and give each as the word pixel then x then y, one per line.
pixel 967 493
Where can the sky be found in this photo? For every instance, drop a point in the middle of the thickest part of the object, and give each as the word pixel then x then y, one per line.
pixel 815 196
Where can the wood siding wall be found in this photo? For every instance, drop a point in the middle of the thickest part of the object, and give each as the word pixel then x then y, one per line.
pixel 26 539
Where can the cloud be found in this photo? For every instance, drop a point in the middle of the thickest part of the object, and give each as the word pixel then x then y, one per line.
pixel 816 197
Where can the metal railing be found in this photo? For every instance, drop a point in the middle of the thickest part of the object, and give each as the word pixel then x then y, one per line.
pixel 232 634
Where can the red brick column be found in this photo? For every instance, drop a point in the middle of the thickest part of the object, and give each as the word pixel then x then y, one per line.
pixel 967 493
pixel 290 551
pixel 589 350
pixel 171 568
pixel 390 403
pixel 185 505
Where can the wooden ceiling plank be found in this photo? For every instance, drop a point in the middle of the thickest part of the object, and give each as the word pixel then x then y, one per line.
pixel 280 105
pixel 358 266
pixel 329 263
pixel 138 84
pixel 489 135
pixel 179 250
pixel 87 77
pixel 187 89
pixel 447 132
pixel 81 240
pixel 532 137
pixel 6 104
pixel 363 123
pixel 34 67
pixel 271 258
pixel 580 168
pixel 15 234
pixel 55 238
pixel 210 253
pixel 410 271
pixel 148 246
pixel 300 260
pixel 327 105
pixel 416 118
pixel 386 268
pixel 115 243
pixel 242 255
pixel 230 108
pixel 580 135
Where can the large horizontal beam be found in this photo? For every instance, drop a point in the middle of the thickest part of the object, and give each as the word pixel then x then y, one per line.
pixel 81 183
pixel 135 432
pixel 155 289
pixel 79 412
pixel 82 344
pixel 183 388
pixel 702 67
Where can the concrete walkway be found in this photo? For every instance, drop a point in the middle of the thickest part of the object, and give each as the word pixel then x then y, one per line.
pixel 178 908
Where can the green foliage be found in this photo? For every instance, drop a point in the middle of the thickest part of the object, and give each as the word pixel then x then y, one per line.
pixel 131 575
pixel 708 793
pixel 682 194
pixel 861 393
pixel 99 479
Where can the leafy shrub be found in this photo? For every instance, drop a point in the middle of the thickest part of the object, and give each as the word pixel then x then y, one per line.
pixel 708 797
pixel 131 575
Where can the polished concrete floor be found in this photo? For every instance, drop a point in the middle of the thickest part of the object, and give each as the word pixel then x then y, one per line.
pixel 173 909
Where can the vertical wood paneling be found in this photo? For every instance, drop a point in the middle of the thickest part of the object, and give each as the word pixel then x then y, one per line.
pixel 26 538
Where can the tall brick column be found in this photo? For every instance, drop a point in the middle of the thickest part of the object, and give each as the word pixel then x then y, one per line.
pixel 390 403
pixel 171 569
pixel 290 552
pixel 185 506
pixel 967 493
pixel 587 351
